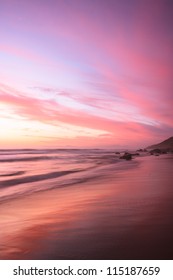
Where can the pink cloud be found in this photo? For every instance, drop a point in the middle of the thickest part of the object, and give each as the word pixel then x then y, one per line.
pixel 52 113
pixel 117 65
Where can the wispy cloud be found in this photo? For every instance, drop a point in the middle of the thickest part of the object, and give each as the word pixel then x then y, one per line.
pixel 98 69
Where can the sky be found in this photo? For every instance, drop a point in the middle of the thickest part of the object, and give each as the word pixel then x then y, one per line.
pixel 85 74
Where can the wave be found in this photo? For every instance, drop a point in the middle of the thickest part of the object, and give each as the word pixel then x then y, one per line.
pixel 50 151
pixel 13 174
pixel 28 159
pixel 36 178
pixel 13 188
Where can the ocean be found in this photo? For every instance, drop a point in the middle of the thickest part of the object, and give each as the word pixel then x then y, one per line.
pixel 26 171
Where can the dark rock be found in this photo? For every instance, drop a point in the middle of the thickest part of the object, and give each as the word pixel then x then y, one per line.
pixel 126 156
pixel 156 151
pixel 142 150
pixel 117 153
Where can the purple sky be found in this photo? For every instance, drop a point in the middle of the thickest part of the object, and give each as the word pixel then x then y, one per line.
pixel 85 73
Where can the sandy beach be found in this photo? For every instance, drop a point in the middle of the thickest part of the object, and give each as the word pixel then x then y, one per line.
pixel 128 214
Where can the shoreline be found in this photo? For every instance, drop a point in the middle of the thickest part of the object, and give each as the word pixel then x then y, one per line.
pixel 24 181
pixel 126 217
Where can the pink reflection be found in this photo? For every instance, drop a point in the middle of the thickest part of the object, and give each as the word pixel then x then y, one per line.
pixel 87 220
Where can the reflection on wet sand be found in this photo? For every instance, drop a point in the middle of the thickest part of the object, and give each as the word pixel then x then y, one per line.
pixel 129 216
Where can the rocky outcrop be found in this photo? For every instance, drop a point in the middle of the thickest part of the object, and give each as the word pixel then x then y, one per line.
pixel 126 156
pixel 158 152
pixel 166 145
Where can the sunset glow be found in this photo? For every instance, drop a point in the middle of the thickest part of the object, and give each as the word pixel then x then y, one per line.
pixel 85 73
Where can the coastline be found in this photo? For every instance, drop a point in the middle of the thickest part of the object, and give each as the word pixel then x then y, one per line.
pixel 127 216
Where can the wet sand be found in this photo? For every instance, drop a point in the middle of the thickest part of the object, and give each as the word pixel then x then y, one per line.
pixel 127 216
